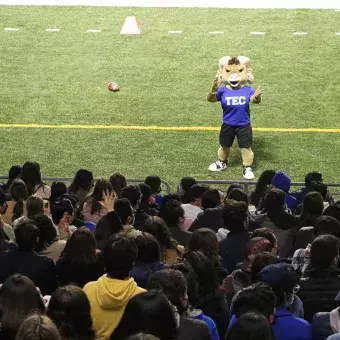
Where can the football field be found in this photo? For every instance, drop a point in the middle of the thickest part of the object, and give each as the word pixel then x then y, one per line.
pixel 55 107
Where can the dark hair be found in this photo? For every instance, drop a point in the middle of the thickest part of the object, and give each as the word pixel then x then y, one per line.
pixel 123 209
pixel 333 210
pixel 234 215
pixel 47 232
pixel 38 327
pixel 57 189
pixel 257 245
pixel 238 195
pixel 142 336
pixel 205 240
pixel 234 61
pixel 59 208
pixel 146 191
pixel 172 212
pixel 102 185
pixel 119 254
pixel 319 187
pixel 26 235
pixel 18 299
pixel 148 312
pixel 155 184
pixel 118 182
pixel 70 310
pixel 275 200
pixel 264 180
pixel 267 234
pixel 19 194
pixel 72 198
pixel 327 225
pixel 13 173
pixel 82 179
pixel 148 248
pixel 80 248
pixel 251 326
pixel 323 251
pixel 211 198
pixel 157 227
pixel 312 206
pixel 170 197
pixel 172 283
pixel 196 192
pixel 34 206
pixel 262 260
pixel 258 298
pixel 232 187
pixel 185 185
pixel 313 176
pixel 31 175
pixel 133 194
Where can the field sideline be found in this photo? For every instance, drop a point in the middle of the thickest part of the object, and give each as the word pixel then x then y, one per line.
pixel 56 108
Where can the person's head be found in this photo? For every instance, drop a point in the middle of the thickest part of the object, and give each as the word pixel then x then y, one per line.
pixel 211 198
pixel 149 312
pixel 170 197
pixel 264 180
pixel 318 186
pixel 19 194
pixel 148 248
pixel 327 225
pixel 4 198
pixel 333 210
pixel 124 210
pixel 251 326
pixel 34 206
pixel 142 336
pixel 62 211
pixel 119 254
pixel 80 248
pixel 83 179
pixel 18 299
pixel 156 226
pixel 13 173
pixel 275 200
pixel 282 278
pixel 173 285
pixel 155 184
pixel 268 235
pixel 145 189
pixel 31 175
pixel 133 194
pixel 324 252
pixel 184 186
pixel 47 232
pixel 205 240
pixel 260 261
pixel 72 198
pixel 70 310
pixel 238 195
pixel 26 236
pixel 313 176
pixel 312 205
pixel 172 213
pixel 234 215
pixel 256 245
pixel 118 182
pixel 57 189
pixel 195 194
pixel 257 298
pixel 232 187
pixel 101 186
pixel 38 327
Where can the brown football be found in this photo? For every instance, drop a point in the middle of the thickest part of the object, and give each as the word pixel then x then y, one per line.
pixel 113 87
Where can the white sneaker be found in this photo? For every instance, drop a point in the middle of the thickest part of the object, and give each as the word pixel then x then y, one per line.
pixel 248 173
pixel 217 166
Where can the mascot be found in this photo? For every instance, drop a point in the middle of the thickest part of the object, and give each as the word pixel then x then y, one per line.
pixel 235 97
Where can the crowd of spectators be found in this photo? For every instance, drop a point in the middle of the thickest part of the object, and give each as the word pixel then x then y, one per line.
pixel 103 259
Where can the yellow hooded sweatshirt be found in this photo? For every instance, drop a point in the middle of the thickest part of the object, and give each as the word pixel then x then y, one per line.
pixel 108 298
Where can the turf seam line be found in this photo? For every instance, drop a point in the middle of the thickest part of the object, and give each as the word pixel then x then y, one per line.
pixel 11 29
pixel 93 31
pixel 160 128
pixel 300 33
pixel 216 32
pixel 175 32
pixel 257 33
pixel 52 29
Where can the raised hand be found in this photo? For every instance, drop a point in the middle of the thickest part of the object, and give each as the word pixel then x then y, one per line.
pixel 108 200
pixel 258 92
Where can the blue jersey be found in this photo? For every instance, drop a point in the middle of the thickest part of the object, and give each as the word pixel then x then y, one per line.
pixel 235 105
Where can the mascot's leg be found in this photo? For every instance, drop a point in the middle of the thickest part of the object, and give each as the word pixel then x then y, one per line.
pixel 245 139
pixel 227 136
pixel 247 157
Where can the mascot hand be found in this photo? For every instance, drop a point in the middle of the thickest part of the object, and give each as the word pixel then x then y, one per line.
pixel 258 92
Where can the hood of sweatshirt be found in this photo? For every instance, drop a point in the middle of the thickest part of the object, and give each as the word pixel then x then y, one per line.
pixel 114 294
pixel 281 181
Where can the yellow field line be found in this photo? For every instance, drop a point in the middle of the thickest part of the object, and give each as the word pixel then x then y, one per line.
pixel 163 128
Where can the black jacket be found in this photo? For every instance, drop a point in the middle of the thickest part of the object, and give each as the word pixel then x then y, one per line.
pixel 304 236
pixel 107 226
pixel 181 236
pixel 190 329
pixel 209 218
pixel 40 269
pixel 318 291
pixel 321 326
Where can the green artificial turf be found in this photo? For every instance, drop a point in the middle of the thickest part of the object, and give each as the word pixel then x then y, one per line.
pixel 61 78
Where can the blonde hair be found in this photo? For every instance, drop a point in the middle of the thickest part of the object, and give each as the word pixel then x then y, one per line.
pixel 38 327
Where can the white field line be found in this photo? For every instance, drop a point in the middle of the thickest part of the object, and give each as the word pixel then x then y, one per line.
pixel 257 33
pixel 52 29
pixel 300 33
pixel 216 32
pixel 93 31
pixel 337 33
pixel 175 32
pixel 11 29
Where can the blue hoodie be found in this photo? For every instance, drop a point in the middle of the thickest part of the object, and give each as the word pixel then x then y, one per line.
pixel 282 181
pixel 197 314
